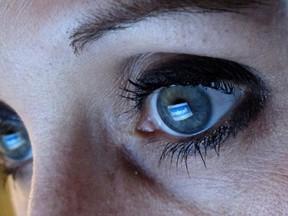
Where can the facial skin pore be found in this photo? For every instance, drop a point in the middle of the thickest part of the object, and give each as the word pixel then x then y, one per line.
pixel 87 157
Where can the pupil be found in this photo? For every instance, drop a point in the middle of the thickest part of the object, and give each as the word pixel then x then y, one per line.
pixel 179 101
pixel 185 109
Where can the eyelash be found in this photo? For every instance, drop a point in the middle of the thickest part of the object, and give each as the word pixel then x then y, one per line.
pixel 218 74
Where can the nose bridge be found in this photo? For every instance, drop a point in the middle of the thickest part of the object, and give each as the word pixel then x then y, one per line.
pixel 50 176
pixel 66 171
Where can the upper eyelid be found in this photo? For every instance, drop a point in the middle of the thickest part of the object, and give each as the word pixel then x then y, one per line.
pixel 196 65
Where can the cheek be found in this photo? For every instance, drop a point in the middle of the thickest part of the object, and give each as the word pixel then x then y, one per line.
pixel 89 173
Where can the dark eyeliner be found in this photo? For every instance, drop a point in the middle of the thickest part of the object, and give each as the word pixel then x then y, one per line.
pixel 219 74
pixel 216 73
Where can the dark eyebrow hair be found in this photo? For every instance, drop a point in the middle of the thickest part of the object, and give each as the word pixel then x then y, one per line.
pixel 121 15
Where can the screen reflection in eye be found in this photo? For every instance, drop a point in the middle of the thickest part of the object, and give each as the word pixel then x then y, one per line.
pixel 186 111
pixel 197 101
pixel 15 148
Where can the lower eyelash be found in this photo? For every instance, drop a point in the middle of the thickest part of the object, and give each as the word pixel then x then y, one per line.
pixel 12 171
pixel 183 150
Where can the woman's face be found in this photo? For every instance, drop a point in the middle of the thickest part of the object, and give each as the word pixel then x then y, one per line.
pixel 68 69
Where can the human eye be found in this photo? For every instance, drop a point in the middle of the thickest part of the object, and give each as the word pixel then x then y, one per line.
pixel 193 103
pixel 15 148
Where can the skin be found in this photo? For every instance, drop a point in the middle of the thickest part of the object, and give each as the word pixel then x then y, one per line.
pixel 89 160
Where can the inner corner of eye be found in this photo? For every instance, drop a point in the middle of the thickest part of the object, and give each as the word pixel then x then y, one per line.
pixel 185 111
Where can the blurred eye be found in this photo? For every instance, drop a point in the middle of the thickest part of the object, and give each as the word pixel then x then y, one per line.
pixel 15 148
pixel 187 110
pixel 15 145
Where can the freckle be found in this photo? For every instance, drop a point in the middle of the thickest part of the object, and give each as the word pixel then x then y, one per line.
pixel 204 40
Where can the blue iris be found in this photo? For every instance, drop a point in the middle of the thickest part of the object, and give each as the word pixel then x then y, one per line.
pixel 185 109
pixel 16 145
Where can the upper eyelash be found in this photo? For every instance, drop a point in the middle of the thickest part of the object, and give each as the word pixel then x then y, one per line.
pixel 144 89
pixel 219 74
pixel 215 73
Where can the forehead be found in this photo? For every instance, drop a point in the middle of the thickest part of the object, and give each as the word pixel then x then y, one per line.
pixel 42 7
pixel 24 21
pixel 15 12
pixel 29 19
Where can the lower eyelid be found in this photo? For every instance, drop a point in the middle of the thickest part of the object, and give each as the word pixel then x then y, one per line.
pixel 24 171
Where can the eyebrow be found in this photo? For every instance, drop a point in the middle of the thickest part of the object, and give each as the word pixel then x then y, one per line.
pixel 121 15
